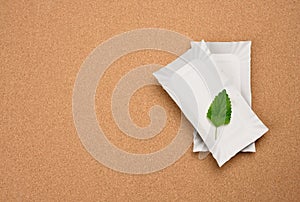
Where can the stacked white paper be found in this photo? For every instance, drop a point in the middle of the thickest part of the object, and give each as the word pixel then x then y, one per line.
pixel 195 78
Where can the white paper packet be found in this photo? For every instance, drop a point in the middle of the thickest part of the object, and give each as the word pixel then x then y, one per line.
pixel 193 81
pixel 233 59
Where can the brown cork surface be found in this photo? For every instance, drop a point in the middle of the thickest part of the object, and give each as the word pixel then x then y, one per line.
pixel 43 44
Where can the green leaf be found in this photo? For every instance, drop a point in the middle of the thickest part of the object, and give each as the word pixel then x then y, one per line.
pixel 219 112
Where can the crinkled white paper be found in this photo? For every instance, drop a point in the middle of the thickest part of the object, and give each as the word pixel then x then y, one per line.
pixel 234 60
pixel 193 81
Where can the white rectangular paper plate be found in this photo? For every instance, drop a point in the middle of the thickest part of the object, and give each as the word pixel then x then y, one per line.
pixel 234 60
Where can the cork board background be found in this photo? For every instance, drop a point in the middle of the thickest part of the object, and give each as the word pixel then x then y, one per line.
pixel 43 44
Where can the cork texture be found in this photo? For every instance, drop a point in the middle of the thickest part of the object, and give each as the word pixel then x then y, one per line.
pixel 44 43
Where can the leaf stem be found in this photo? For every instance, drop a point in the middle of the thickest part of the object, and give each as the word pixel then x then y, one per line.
pixel 216 133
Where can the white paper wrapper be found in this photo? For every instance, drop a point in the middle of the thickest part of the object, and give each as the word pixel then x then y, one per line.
pixel 193 81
